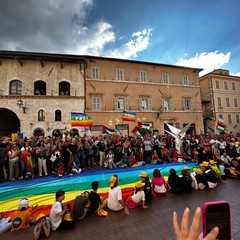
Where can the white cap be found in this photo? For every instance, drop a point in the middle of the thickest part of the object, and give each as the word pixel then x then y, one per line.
pixel 23 203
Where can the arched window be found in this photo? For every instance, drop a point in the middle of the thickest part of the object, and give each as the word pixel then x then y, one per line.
pixel 39 88
pixel 41 116
pixel 58 115
pixel 64 88
pixel 15 87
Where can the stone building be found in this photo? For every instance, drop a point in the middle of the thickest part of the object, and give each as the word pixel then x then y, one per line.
pixel 157 93
pixel 39 91
pixel 220 96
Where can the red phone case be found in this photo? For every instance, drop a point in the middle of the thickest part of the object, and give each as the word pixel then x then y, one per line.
pixel 224 206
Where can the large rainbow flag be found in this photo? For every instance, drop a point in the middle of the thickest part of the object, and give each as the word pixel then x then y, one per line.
pixel 129 116
pixel 42 190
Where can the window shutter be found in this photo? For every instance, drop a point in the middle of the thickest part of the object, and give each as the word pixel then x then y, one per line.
pixel 171 104
pixel 126 104
pixel 140 104
pixel 116 103
pixel 149 104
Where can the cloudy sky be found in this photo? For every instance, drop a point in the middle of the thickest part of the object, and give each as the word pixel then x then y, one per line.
pixel 193 33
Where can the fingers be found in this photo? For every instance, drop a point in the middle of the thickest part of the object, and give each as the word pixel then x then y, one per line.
pixel 212 234
pixel 184 225
pixel 176 227
pixel 195 226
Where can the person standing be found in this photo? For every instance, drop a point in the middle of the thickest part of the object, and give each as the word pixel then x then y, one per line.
pixel 102 148
pixel 13 156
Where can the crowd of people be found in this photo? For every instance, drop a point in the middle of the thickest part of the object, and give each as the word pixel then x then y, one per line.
pixel 218 157
pixel 39 156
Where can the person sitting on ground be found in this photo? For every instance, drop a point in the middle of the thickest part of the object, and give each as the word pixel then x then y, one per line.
pixel 186 180
pixel 234 169
pixel 147 187
pixel 209 175
pixel 138 197
pixel 59 170
pixel 193 232
pixel 80 206
pixel 158 184
pixel 174 182
pixel 201 182
pixel 42 227
pixel 124 162
pixel 22 218
pixel 165 153
pixel 57 214
pixel 109 161
pixel 215 169
pixel 74 166
pixel 225 159
pixel 115 201
pixel 96 201
pixel 155 158
pixel 132 159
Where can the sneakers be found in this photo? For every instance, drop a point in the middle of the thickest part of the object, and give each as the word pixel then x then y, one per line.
pixel 102 212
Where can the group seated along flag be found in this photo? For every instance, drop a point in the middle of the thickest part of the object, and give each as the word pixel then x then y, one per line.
pixel 136 132
pixel 221 127
pixel 129 116
pixel 108 131
pixel 80 120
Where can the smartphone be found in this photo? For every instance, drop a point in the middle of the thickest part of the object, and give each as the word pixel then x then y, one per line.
pixel 217 214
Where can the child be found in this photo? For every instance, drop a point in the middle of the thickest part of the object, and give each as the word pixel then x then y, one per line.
pixel 42 227
pixel 59 169
pixel 155 158
pixel 75 167
pixel 147 186
pixel 138 197
pixel 22 217
pixel 109 163
pixel 158 184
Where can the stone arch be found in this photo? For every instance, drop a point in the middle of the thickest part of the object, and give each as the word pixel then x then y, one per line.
pixel 9 122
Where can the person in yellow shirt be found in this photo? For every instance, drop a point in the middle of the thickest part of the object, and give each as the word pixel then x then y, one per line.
pixel 22 217
pixel 216 169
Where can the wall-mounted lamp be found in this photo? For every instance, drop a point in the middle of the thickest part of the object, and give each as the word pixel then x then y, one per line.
pixel 22 105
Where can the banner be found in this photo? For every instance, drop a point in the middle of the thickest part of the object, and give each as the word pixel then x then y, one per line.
pixel 108 131
pixel 136 132
pixel 80 120
pixel 221 127
pixel 129 116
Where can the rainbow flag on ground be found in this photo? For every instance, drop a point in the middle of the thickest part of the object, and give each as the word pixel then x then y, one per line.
pixel 129 116
pixel 80 120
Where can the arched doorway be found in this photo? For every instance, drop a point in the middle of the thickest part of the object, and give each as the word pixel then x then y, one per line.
pixel 9 122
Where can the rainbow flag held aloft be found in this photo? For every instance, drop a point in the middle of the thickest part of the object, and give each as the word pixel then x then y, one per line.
pixel 129 116
pixel 80 120
pixel 108 131
pixel 221 126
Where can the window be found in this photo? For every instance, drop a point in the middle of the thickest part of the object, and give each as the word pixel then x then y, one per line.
pixel 167 104
pixel 225 85
pixel 165 78
pixel 235 100
pixel 227 102
pixel 217 84
pixel 233 86
pixel 229 118
pixel 237 118
pixel 15 87
pixel 96 103
pixel 39 88
pixel 119 74
pixel 58 115
pixel 95 73
pixel 41 116
pixel 145 104
pixel 185 80
pixel 121 103
pixel 219 101
pixel 143 76
pixel 64 88
pixel 187 104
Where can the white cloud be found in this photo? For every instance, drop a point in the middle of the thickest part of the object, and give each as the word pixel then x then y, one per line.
pixel 138 42
pixel 207 61
pixel 235 74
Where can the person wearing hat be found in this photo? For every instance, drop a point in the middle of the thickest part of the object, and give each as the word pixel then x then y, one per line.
pixel 147 186
pixel 216 169
pixel 57 214
pixel 138 197
pixel 115 201
pixel 22 217
pixel 42 227
pixel 209 175
pixel 234 169
pixel 201 182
